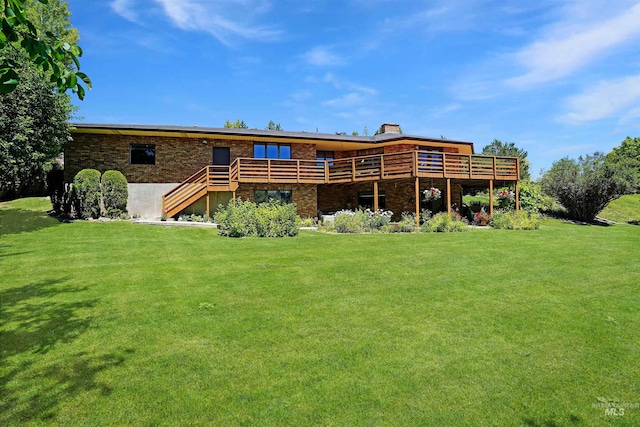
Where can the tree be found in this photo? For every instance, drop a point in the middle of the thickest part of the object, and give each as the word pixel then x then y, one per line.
pixel 273 126
pixel 584 187
pixel 54 53
pixel 625 159
pixel 238 124
pixel 499 148
pixel 33 129
pixel 34 116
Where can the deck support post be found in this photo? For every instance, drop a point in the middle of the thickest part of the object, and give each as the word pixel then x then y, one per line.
pixel 375 196
pixel 417 198
pixel 234 198
pixel 449 196
pixel 491 197
pixel 517 196
pixel 208 209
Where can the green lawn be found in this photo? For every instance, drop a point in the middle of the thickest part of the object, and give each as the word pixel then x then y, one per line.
pixel 624 209
pixel 122 324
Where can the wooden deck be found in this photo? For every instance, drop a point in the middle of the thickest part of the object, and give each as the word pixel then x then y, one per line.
pixel 410 164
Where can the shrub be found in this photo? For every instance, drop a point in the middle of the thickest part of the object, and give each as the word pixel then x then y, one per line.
pixel 378 219
pixel 443 222
pixel 245 218
pixel 408 222
pixel 114 193
pixel 308 222
pixel 275 219
pixel 86 193
pixel 521 220
pixel 347 221
pixel 532 199
pixel 237 220
pixel 584 187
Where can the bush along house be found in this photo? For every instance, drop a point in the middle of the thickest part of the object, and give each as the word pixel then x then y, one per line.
pixel 175 170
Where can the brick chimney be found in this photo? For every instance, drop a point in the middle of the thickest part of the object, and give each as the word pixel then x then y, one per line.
pixel 390 128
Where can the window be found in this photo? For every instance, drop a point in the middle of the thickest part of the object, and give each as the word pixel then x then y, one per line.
pixel 271 151
pixel 142 154
pixel 365 199
pixel 324 155
pixel 263 196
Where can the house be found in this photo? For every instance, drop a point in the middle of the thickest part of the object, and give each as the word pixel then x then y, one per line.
pixel 176 169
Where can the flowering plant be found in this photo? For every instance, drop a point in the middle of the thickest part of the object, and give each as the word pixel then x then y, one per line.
pixel 432 194
pixel 506 195
pixel 481 216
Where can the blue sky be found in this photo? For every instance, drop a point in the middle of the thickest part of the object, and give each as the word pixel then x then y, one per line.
pixel 557 77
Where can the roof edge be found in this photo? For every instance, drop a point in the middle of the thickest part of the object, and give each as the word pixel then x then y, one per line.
pixel 380 138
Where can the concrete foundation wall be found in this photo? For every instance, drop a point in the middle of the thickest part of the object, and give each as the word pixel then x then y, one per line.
pixel 145 200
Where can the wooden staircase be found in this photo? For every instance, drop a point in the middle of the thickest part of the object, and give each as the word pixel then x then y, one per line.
pixel 209 178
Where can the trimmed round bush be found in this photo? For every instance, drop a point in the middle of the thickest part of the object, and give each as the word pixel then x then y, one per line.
pixel 114 193
pixel 86 193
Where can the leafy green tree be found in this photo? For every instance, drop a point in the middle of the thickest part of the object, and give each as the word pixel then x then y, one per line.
pixel 355 133
pixel 499 148
pixel 273 126
pixel 52 49
pixel 625 159
pixel 584 186
pixel 33 129
pixel 238 124
pixel 34 116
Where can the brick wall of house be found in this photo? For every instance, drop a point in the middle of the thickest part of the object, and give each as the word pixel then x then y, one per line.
pixel 305 196
pixel 177 158
pixel 400 148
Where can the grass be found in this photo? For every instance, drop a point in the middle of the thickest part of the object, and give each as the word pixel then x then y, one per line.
pixel 624 209
pixel 122 324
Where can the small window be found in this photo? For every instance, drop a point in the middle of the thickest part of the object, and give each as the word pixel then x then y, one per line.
pixel 271 151
pixel 324 155
pixel 263 196
pixel 143 154
pixel 365 199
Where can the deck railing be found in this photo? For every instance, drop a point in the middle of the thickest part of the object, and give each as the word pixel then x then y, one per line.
pixel 427 164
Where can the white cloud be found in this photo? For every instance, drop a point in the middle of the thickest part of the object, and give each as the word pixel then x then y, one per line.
pixel 220 18
pixel 227 21
pixel 606 99
pixel 441 111
pixel 348 100
pixel 322 57
pixel 572 44
pixel 125 9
